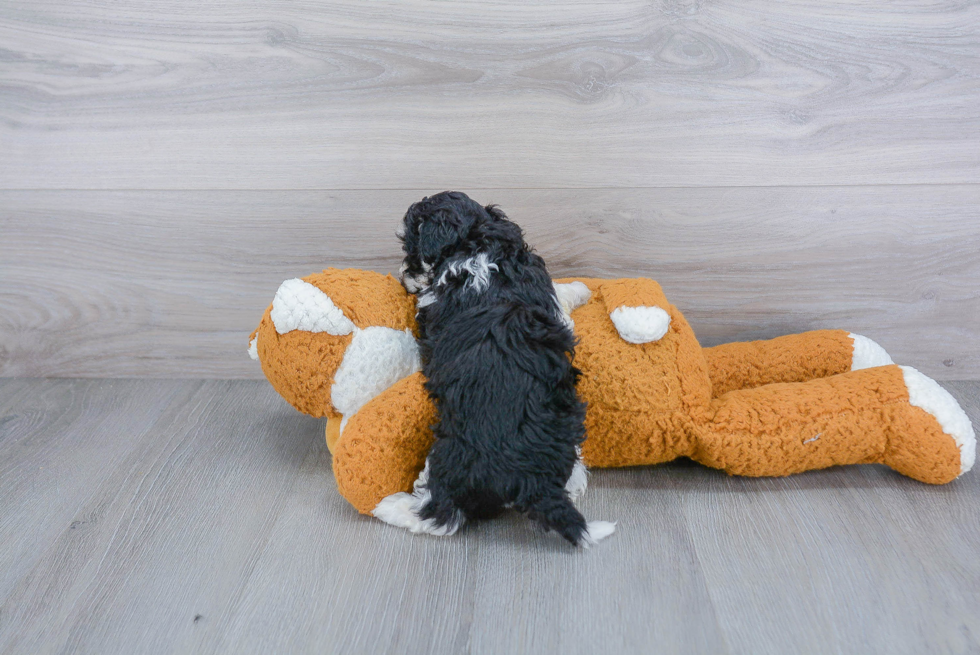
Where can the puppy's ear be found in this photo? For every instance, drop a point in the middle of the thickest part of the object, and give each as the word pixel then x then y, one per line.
pixel 496 213
pixel 440 231
pixel 436 234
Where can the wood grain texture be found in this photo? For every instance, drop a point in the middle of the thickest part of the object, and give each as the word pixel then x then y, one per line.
pixel 119 526
pixel 169 284
pixel 854 562
pixel 201 517
pixel 368 95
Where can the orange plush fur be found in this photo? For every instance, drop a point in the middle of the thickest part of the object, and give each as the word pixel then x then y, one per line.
pixel 765 408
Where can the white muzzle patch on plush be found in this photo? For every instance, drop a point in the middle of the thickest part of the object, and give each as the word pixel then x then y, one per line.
pixel 299 305
pixel 376 358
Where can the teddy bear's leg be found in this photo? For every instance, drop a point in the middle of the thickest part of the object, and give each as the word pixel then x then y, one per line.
pixel 382 448
pixel 892 415
pixel 793 358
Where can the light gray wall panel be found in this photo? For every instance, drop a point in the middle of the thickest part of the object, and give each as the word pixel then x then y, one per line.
pixel 170 283
pixel 377 95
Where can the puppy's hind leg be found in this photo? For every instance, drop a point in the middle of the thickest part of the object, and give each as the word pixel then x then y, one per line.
pixel 427 510
pixel 442 512
pixel 556 512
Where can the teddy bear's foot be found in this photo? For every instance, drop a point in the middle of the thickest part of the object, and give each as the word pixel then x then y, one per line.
pixel 866 353
pixel 916 448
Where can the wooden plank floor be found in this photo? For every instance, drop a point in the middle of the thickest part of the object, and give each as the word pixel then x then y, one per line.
pixel 169 516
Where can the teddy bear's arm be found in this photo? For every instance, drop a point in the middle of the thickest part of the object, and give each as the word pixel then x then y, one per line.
pixel 638 309
pixel 383 446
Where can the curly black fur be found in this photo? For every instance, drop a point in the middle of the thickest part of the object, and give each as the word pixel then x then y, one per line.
pixel 497 356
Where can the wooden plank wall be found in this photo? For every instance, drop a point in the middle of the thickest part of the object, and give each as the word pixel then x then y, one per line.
pixel 776 166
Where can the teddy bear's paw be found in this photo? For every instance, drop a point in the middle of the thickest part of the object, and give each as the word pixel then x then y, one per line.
pixel 925 393
pixel 640 324
pixel 578 481
pixel 596 531
pixel 867 353
pixel 571 296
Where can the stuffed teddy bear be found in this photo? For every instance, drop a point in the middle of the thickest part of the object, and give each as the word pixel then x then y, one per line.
pixel 340 344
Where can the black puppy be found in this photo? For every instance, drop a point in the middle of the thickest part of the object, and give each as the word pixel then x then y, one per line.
pixel 496 351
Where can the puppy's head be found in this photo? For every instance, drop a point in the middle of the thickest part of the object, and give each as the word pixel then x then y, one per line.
pixel 439 227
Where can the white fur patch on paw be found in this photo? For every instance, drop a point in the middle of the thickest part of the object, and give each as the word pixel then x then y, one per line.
pixel 253 348
pixel 924 392
pixel 640 324
pixel 376 358
pixel 402 510
pixel 867 353
pixel 578 481
pixel 299 305
pixel 596 532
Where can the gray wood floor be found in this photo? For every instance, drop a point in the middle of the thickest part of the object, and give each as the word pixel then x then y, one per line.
pixel 167 516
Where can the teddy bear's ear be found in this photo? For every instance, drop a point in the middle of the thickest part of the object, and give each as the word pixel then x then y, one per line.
pixel 637 308
pixel 299 305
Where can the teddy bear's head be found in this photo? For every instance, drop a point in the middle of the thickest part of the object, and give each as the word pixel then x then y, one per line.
pixel 333 340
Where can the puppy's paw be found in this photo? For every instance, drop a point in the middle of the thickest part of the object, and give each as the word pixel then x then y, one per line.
pixel 399 510
pixel 596 531
pixel 402 511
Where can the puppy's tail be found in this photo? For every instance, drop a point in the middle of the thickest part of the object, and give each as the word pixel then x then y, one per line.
pixel 559 514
